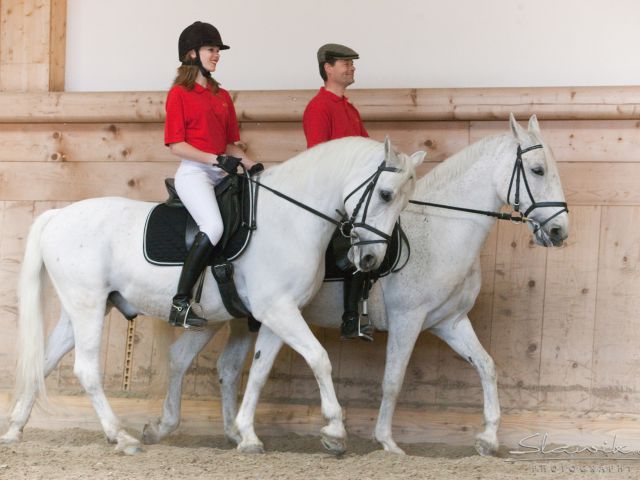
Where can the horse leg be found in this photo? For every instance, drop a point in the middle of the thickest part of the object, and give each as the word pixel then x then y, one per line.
pixel 181 355
pixel 230 365
pixel 286 321
pixel 87 328
pixel 400 343
pixel 460 336
pixel 267 347
pixel 59 343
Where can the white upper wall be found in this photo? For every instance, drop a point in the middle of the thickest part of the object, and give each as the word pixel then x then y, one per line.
pixel 132 44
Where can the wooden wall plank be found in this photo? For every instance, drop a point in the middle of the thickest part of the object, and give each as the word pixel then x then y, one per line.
pixel 380 105
pixel 144 142
pixel 569 315
pixel 579 140
pixel 139 142
pixel 616 356
pixel 75 181
pixel 584 184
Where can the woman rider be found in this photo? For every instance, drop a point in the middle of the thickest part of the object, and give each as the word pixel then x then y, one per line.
pixel 200 125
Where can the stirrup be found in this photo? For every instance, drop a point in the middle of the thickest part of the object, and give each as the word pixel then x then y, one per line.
pixel 364 331
pixel 183 319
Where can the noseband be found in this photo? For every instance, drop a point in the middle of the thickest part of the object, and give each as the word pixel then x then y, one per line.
pixel 347 225
pixel 518 171
pixel 515 216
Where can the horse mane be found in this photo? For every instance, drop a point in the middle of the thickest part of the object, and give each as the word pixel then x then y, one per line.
pixel 337 158
pixel 460 162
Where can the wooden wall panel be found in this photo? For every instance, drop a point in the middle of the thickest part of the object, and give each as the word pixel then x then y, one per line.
pixel 550 318
pixel 518 315
pixel 569 315
pixel 616 357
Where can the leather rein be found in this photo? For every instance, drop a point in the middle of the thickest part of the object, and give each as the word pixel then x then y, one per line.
pixel 516 215
pixel 345 225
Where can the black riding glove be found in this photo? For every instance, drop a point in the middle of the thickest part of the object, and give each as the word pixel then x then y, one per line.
pixel 228 163
pixel 257 168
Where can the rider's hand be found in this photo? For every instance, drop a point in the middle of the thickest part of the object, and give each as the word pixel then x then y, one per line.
pixel 227 163
pixel 256 168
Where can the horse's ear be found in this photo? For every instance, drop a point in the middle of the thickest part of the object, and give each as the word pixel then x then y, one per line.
pixel 516 129
pixel 418 157
pixel 534 127
pixel 389 154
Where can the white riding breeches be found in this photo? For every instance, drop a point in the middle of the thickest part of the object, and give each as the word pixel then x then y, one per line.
pixel 195 184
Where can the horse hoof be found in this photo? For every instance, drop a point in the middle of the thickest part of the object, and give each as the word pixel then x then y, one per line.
pixel 127 444
pixel 8 439
pixel 131 449
pixel 150 434
pixel 486 447
pixel 251 448
pixel 391 447
pixel 336 446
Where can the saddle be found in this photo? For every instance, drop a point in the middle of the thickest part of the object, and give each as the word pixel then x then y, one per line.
pixel 169 230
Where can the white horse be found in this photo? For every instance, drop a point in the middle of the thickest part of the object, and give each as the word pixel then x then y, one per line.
pixel 93 248
pixel 434 292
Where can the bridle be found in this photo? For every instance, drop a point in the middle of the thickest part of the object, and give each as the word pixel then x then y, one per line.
pixel 346 225
pixel 518 170
pixel 516 215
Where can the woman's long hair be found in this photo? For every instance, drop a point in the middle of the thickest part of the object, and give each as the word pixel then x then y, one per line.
pixel 187 75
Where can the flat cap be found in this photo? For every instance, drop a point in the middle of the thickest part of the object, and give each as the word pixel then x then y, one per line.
pixel 335 50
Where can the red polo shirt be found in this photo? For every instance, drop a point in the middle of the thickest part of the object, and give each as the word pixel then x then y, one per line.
pixel 203 119
pixel 328 117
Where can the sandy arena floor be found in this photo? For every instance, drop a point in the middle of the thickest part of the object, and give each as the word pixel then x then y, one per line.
pixel 84 454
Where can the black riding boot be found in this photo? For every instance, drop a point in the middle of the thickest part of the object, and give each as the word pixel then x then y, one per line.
pixel 353 289
pixel 181 314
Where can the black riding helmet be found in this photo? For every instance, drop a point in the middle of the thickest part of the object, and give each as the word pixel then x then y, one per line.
pixel 197 35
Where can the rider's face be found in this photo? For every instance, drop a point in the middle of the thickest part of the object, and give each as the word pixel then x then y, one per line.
pixel 342 72
pixel 209 56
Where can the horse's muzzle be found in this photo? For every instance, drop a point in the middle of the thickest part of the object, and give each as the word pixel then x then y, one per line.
pixel 368 262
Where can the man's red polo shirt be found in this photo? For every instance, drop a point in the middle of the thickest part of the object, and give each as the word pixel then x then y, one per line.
pixel 328 117
pixel 203 119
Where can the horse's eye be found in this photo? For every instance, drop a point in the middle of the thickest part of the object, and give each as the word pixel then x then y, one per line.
pixel 386 195
pixel 538 171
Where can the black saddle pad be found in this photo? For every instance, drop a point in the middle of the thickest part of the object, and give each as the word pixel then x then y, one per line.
pixel 333 273
pixel 169 229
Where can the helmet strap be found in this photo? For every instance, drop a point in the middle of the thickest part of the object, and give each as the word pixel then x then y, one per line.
pixel 206 73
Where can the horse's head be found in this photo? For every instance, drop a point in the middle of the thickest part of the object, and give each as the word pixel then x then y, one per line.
pixel 374 198
pixel 532 185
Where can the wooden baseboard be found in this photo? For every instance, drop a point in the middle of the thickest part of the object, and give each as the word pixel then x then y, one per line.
pixel 458 427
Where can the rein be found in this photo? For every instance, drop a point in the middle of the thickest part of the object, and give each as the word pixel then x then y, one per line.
pixel 516 215
pixel 345 226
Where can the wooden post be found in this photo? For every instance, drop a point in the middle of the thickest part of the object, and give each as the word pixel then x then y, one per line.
pixel 57 45
pixel 32 45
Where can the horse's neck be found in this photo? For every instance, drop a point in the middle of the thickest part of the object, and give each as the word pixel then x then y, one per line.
pixel 465 180
pixel 316 182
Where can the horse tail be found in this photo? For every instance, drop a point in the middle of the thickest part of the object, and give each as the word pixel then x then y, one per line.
pixel 30 347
